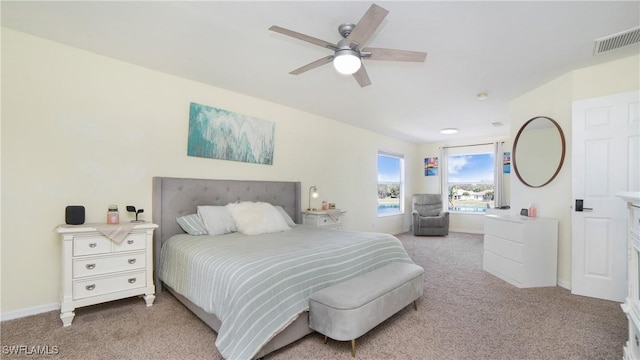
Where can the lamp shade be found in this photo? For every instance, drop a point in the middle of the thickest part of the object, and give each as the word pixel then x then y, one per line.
pixel 346 61
pixel 313 193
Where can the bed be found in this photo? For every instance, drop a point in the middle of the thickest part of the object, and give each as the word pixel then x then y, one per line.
pixel 249 322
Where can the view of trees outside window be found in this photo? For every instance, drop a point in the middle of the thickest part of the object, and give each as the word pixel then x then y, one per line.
pixel 470 182
pixel 390 184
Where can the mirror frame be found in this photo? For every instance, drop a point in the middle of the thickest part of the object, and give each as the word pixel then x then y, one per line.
pixel 515 147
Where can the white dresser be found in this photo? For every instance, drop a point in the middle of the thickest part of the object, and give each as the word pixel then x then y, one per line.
pixel 631 306
pixel 95 269
pixel 331 219
pixel 521 250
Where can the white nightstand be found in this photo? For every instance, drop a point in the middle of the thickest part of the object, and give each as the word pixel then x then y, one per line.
pixel 327 219
pixel 96 269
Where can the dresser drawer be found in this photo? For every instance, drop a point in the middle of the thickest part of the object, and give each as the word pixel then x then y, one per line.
pixel 91 245
pixel 504 229
pixel 109 264
pixel 105 285
pixel 503 268
pixel 503 247
pixel 134 241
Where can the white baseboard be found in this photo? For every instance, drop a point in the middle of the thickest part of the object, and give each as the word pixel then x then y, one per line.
pixel 28 312
pixel 467 231
pixel 564 284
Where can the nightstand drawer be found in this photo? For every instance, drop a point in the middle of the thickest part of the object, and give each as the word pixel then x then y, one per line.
pixel 135 241
pixel 109 264
pixel 106 285
pixel 323 219
pixel 90 245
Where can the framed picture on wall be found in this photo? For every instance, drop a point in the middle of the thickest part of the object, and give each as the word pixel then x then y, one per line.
pixel 506 162
pixel 431 166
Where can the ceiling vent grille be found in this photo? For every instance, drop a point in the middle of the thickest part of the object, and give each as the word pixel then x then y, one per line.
pixel 617 41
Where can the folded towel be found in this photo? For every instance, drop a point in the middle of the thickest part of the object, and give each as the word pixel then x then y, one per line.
pixel 116 232
pixel 334 214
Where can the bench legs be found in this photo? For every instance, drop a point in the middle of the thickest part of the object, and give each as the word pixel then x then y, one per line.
pixel 353 341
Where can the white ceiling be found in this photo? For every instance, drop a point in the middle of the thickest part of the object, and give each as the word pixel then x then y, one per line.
pixel 502 48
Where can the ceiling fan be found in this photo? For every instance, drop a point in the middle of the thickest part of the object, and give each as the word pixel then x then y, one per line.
pixel 348 53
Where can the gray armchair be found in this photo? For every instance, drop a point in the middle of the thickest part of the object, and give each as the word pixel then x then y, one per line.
pixel 428 216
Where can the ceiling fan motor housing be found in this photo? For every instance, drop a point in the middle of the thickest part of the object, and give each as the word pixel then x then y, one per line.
pixel 346 29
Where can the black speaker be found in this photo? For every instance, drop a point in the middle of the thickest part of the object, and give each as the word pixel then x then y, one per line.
pixel 74 215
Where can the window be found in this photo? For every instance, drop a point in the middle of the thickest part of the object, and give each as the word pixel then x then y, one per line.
pixel 470 181
pixel 390 184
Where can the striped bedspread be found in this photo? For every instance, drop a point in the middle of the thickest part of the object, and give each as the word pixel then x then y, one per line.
pixel 257 285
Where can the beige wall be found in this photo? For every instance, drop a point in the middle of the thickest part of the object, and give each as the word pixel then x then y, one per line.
pixel 80 128
pixel 554 100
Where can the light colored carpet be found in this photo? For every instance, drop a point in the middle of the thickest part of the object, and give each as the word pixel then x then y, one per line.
pixel 464 313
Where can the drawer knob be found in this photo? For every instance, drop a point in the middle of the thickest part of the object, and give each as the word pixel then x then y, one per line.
pixel 132 261
pixel 90 266
pixel 90 287
pixel 92 245
pixel 129 241
pixel 132 280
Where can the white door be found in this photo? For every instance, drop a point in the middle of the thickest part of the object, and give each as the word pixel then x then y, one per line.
pixel 605 161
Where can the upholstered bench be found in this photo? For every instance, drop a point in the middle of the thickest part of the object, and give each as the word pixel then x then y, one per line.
pixel 348 310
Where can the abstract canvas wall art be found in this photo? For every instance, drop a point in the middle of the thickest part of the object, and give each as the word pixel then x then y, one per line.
pixel 431 166
pixel 506 162
pixel 222 134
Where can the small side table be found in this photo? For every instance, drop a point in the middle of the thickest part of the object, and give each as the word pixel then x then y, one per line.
pixel 96 269
pixel 331 219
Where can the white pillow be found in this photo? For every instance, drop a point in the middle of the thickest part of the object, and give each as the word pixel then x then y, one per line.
pixel 217 219
pixel 253 218
pixel 285 216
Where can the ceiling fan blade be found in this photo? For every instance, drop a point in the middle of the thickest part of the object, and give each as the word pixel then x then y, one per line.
pixel 312 65
pixel 304 37
pixel 367 25
pixel 362 77
pixel 394 55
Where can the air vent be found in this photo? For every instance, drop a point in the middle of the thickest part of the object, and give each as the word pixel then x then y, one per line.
pixel 617 41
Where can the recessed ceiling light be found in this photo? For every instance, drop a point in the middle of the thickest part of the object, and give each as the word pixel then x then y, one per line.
pixel 482 96
pixel 449 131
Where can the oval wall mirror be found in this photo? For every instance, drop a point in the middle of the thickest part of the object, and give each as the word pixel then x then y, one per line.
pixel 538 151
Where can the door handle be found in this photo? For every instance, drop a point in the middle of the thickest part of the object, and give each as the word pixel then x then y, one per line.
pixel 580 205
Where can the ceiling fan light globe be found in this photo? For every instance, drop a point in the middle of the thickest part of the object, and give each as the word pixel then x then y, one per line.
pixel 346 62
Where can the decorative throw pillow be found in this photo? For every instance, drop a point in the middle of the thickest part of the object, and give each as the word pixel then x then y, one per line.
pixel 285 216
pixel 217 219
pixel 253 218
pixel 192 224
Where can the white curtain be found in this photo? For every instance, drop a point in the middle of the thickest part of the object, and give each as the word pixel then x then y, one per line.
pixel 498 183
pixel 444 180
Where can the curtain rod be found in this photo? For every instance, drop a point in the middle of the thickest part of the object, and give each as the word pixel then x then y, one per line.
pixel 456 146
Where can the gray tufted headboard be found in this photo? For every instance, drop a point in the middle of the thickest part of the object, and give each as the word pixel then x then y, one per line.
pixel 174 197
